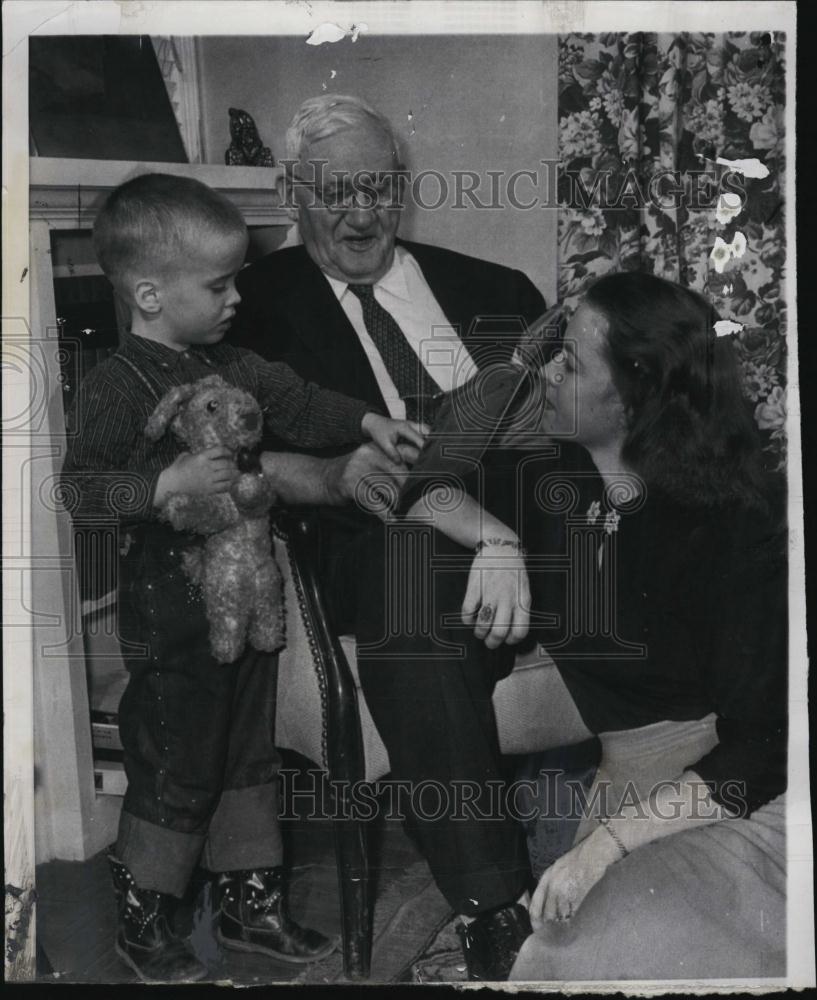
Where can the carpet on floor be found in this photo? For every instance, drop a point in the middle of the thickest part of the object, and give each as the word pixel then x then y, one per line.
pixel 407 916
pixel 439 959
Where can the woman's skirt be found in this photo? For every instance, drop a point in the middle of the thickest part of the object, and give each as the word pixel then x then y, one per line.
pixel 707 903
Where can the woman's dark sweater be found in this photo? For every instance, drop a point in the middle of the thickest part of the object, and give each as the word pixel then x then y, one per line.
pixel 686 615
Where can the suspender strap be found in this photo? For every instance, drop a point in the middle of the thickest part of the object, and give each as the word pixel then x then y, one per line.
pixel 140 375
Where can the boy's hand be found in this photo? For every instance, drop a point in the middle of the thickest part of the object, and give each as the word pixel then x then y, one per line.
pixel 386 433
pixel 203 474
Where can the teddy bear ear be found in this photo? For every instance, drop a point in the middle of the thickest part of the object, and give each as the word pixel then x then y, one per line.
pixel 210 382
pixel 166 410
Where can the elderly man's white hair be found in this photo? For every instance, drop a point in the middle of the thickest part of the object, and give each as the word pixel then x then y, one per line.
pixel 320 117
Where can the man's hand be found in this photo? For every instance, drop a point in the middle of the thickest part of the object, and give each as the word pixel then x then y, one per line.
pixel 304 479
pixel 365 476
pixel 388 433
pixel 203 474
pixel 408 453
pixel 497 597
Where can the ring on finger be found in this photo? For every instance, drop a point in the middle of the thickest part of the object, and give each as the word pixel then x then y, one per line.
pixel 486 614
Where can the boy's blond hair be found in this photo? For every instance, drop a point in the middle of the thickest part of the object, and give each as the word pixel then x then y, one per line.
pixel 155 221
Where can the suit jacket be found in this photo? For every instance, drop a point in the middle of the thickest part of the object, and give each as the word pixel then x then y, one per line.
pixel 289 312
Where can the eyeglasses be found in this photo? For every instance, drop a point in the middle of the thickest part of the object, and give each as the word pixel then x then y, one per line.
pixel 365 191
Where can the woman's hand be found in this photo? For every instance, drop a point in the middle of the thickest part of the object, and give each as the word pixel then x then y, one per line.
pixel 497 597
pixel 675 806
pixel 564 885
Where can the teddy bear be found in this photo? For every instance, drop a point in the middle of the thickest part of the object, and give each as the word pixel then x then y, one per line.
pixel 240 580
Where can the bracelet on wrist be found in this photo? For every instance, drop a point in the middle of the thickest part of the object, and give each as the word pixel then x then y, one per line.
pixel 605 822
pixel 504 543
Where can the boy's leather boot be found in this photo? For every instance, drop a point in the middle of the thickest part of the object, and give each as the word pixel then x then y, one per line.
pixel 144 937
pixel 253 916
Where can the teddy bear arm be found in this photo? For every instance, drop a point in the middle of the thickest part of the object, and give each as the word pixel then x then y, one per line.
pixel 252 494
pixel 204 514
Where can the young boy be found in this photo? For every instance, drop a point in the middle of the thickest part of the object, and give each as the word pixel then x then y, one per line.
pixel 197 735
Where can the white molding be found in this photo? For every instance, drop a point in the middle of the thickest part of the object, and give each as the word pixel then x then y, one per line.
pixel 189 98
pixel 178 64
pixel 68 193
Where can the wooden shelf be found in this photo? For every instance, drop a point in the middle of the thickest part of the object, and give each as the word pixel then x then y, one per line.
pixel 69 193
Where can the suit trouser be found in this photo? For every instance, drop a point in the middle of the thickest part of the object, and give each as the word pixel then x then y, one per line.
pixel 428 684
pixel 197 735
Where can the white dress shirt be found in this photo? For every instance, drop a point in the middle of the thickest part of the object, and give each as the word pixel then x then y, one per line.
pixel 404 293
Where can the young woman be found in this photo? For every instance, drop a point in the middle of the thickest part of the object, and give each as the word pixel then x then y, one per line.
pixel 679 661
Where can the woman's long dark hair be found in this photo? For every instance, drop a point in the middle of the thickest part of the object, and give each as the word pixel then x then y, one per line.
pixel 690 432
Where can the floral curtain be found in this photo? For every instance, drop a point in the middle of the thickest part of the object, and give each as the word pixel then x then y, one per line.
pixel 645 121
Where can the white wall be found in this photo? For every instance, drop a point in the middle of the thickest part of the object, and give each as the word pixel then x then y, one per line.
pixel 477 102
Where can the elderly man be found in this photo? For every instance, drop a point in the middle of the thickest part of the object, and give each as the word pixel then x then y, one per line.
pixel 396 323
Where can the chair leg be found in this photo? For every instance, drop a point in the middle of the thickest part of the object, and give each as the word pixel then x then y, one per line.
pixel 353 879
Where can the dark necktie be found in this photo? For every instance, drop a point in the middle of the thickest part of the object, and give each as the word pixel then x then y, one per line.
pixel 406 370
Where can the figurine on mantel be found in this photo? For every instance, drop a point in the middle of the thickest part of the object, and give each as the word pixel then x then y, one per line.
pixel 246 148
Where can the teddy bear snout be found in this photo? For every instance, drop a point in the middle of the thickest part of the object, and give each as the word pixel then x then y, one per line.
pixel 251 420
